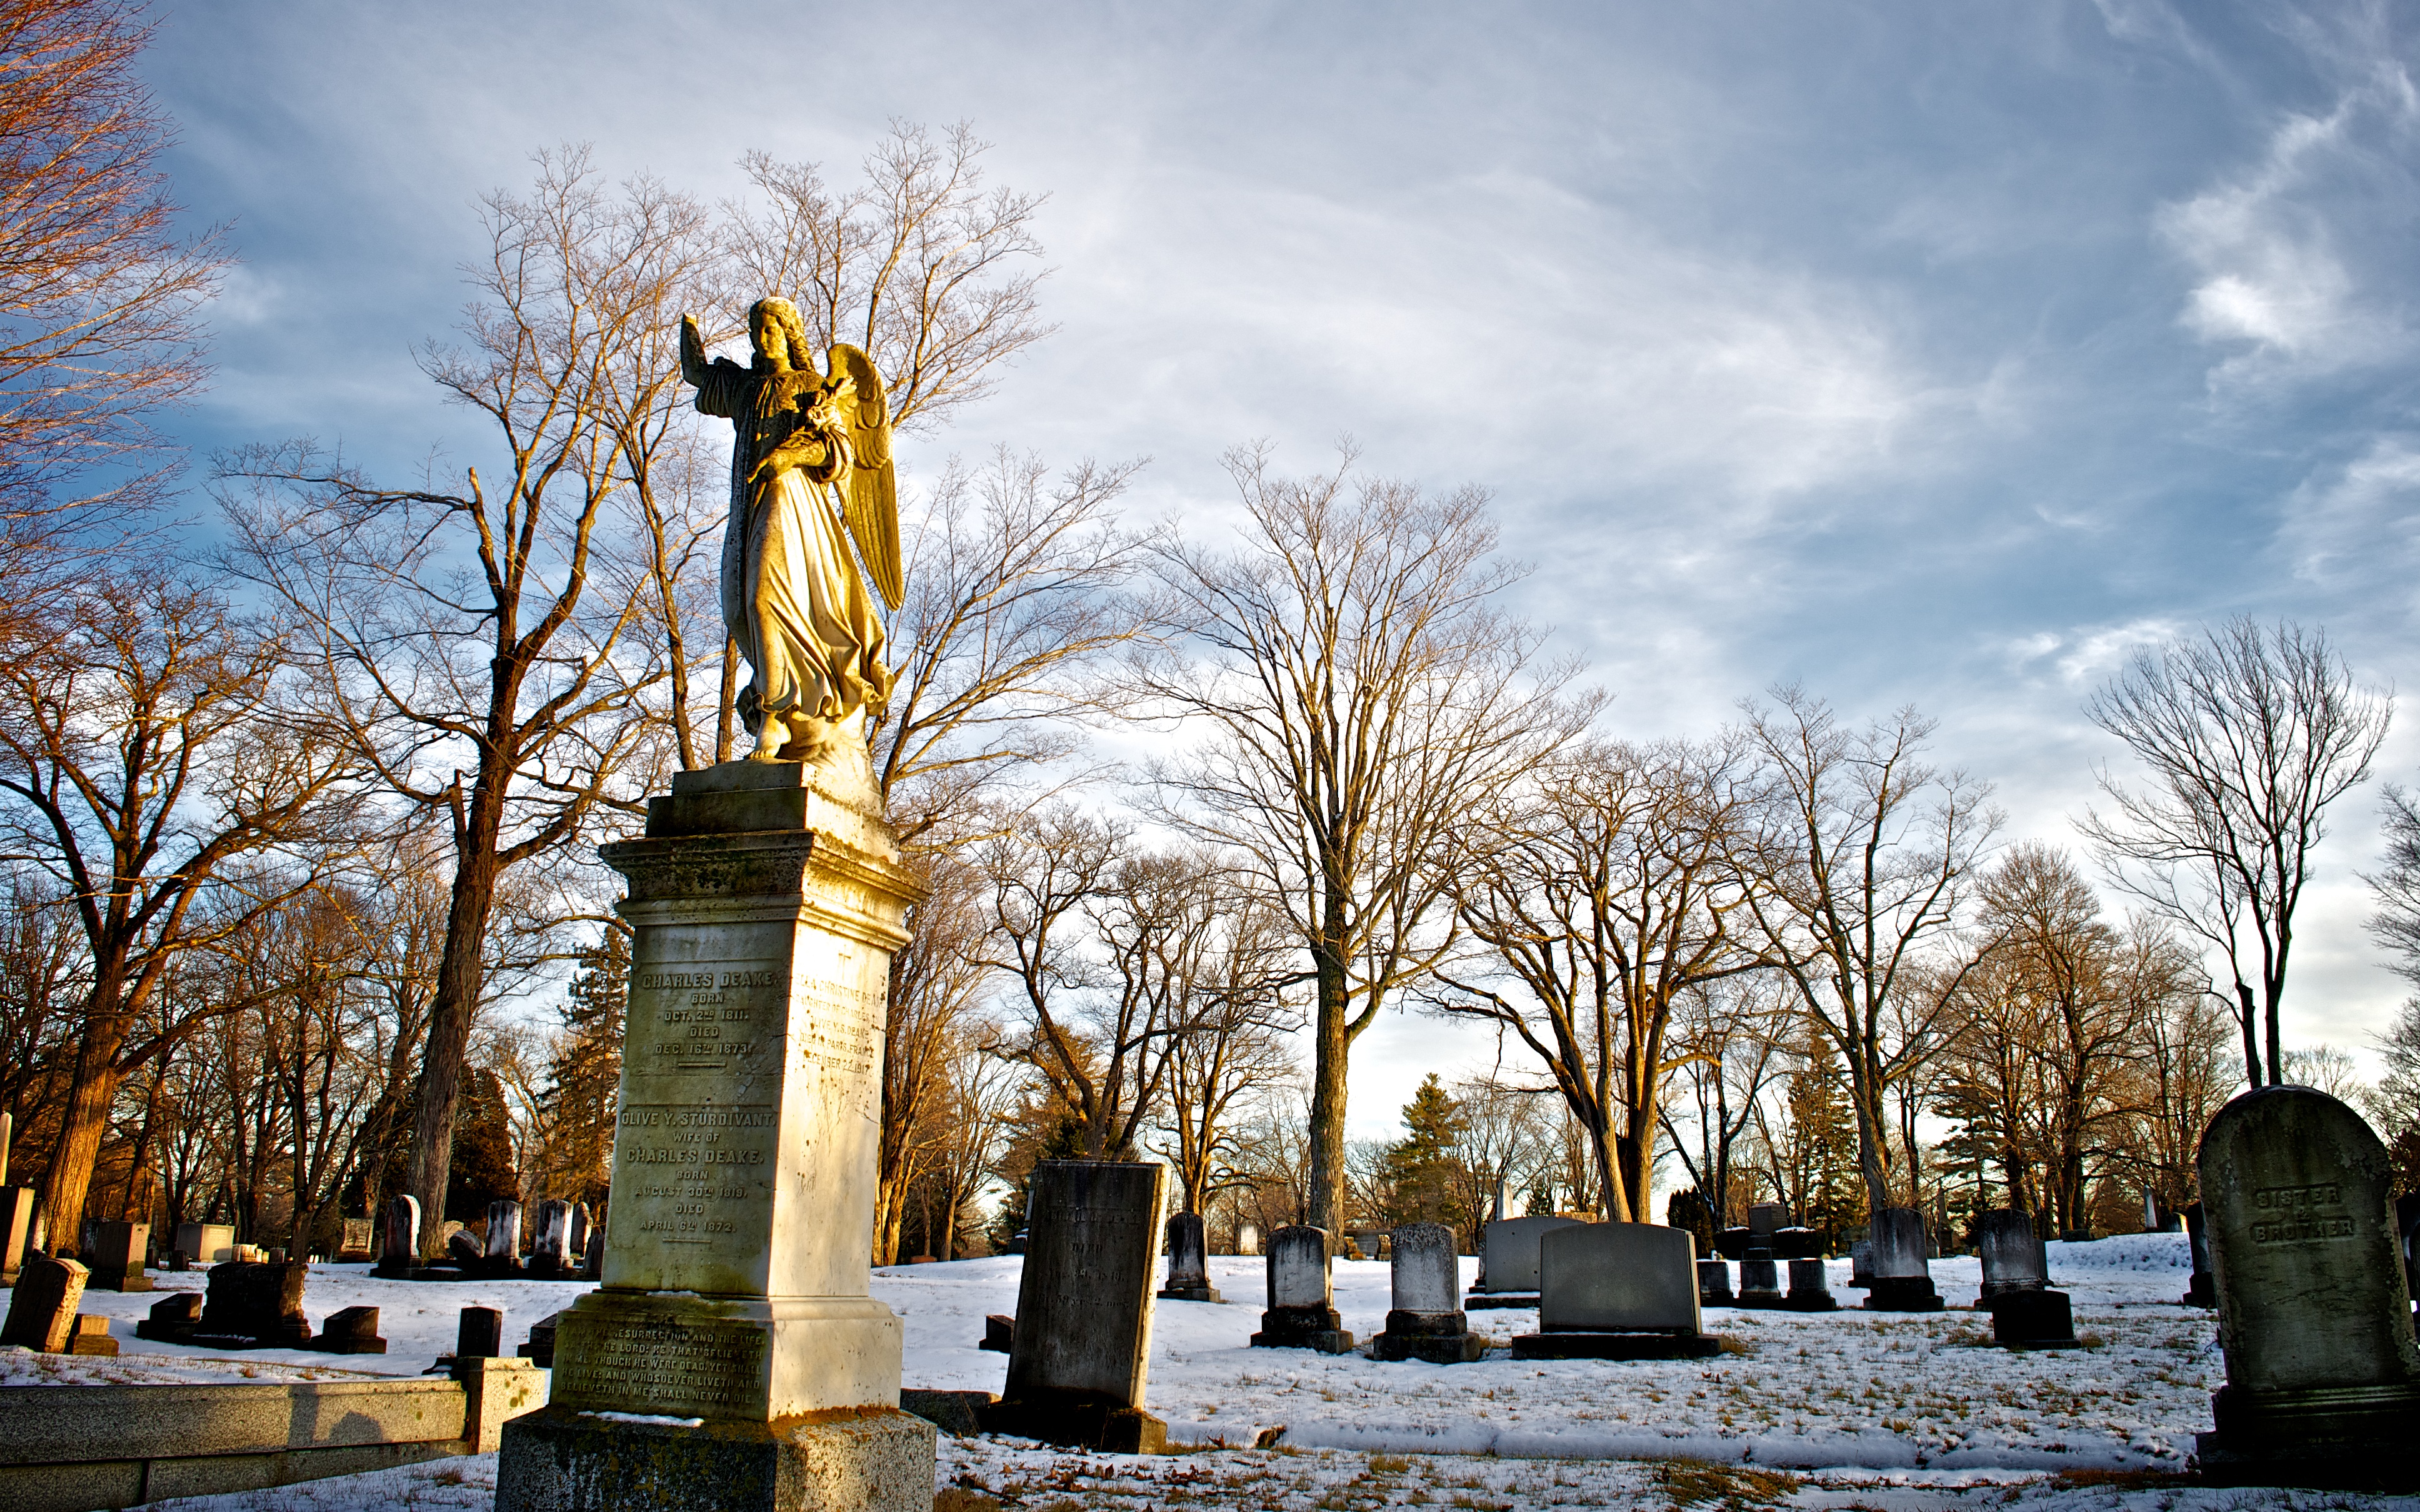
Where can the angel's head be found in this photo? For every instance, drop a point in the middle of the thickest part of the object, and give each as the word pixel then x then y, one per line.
pixel 781 336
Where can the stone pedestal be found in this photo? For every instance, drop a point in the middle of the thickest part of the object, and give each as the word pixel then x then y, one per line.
pixel 2322 1373
pixel 2032 1318
pixel 174 1319
pixel 206 1244
pixel 1080 1351
pixel 1188 1261
pixel 765 911
pixel 1903 1278
pixel 1302 1302
pixel 1424 1323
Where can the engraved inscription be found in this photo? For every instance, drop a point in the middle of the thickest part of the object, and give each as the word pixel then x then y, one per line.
pixel 669 1364
pixel 2300 1213
pixel 691 1163
pixel 709 1014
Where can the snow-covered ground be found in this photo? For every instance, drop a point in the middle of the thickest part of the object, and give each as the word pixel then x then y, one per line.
pixel 1818 1410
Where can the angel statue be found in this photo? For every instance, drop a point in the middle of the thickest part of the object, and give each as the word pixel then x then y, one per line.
pixel 810 471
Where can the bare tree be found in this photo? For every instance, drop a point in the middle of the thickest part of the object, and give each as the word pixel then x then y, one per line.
pixel 933 274
pixel 936 986
pixel 99 294
pixel 1730 1032
pixel 149 768
pixel 1597 893
pixel 1358 696
pixel 2248 735
pixel 1863 858
pixel 1236 1042
pixel 477 643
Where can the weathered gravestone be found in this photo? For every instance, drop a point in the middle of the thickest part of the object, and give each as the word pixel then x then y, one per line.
pixel 254 1304
pixel 2200 1290
pixel 550 1253
pixel 360 1241
pixel 1508 1261
pixel 466 1249
pixel 1714 1283
pixel 350 1331
pixel 399 1238
pixel 502 1248
pixel 2014 1257
pixel 1188 1261
pixel 1082 1349
pixel 117 1256
pixel 1302 1302
pixel 1426 1321
pixel 1248 1239
pixel 43 1305
pixel 174 1319
pixel 1617 1292
pixel 2322 1372
pixel 16 1229
pixel 1903 1280
pixel 1809 1292
pixel 765 900
pixel 1759 1281
pixel 1861 1265
pixel 592 1259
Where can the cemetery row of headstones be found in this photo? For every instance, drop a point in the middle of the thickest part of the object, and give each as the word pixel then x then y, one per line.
pixel 565 1244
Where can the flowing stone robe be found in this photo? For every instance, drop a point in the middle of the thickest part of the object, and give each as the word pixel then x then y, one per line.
pixel 792 595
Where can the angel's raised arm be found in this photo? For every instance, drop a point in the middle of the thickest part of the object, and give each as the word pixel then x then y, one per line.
pixel 720 384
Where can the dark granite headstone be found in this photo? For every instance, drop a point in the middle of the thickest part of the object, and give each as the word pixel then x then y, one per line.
pixel 2322 1372
pixel 257 1302
pixel 350 1331
pixel 1732 1243
pixel 1188 1261
pixel 480 1334
pixel 1617 1292
pixel 1426 1321
pixel 116 1258
pixel 1903 1280
pixel 1759 1281
pixel 1082 1347
pixel 1302 1306
pixel 174 1319
pixel 399 1238
pixel 42 1305
pixel 2032 1317
pixel 1765 1220
pixel 539 1350
pixel 2201 1291
pixel 1714 1283
pixel 1861 1264
pixel 1809 1292
pixel 463 1248
pixel 1000 1333
pixel 2014 1258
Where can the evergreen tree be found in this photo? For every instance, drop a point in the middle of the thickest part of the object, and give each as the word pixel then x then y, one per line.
pixel 1421 1175
pixel 585 1076
pixel 482 1169
pixel 1824 1141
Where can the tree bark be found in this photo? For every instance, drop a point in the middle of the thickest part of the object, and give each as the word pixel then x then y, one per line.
pixel 456 1004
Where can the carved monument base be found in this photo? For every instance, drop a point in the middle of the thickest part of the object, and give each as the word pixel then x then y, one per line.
pixel 731 1357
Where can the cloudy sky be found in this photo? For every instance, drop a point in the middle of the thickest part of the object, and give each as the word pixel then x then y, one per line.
pixel 1930 353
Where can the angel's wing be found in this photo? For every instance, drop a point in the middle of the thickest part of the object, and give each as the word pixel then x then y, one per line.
pixel 872 502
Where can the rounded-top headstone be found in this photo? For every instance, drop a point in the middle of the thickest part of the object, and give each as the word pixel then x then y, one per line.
pixel 1297 1267
pixel 2302 1243
pixel 1427 1273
